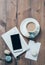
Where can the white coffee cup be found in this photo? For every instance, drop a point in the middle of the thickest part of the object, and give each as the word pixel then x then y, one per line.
pixel 24 30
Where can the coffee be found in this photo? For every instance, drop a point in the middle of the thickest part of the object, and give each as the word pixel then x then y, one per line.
pixel 31 27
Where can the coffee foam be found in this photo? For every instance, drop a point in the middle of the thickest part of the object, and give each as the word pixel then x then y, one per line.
pixel 31 27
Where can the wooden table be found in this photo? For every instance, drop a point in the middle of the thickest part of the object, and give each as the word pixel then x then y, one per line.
pixel 8 19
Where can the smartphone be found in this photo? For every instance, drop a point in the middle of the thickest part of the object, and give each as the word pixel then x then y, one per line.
pixel 16 43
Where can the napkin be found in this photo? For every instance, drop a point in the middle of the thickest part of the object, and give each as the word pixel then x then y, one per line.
pixel 33 52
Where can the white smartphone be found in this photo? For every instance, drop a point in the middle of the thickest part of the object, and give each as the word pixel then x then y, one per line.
pixel 16 43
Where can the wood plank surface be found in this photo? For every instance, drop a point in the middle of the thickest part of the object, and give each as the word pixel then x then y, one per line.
pixel 11 14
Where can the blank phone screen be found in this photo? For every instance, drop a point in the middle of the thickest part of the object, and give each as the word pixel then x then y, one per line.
pixel 16 43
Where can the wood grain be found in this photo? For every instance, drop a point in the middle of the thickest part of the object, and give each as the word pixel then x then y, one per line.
pixel 10 16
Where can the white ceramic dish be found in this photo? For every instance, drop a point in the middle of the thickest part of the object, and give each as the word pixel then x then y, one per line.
pixel 24 30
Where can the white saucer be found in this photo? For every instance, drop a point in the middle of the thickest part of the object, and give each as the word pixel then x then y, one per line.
pixel 24 30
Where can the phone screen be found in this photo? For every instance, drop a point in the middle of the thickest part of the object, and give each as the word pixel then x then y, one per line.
pixel 16 43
